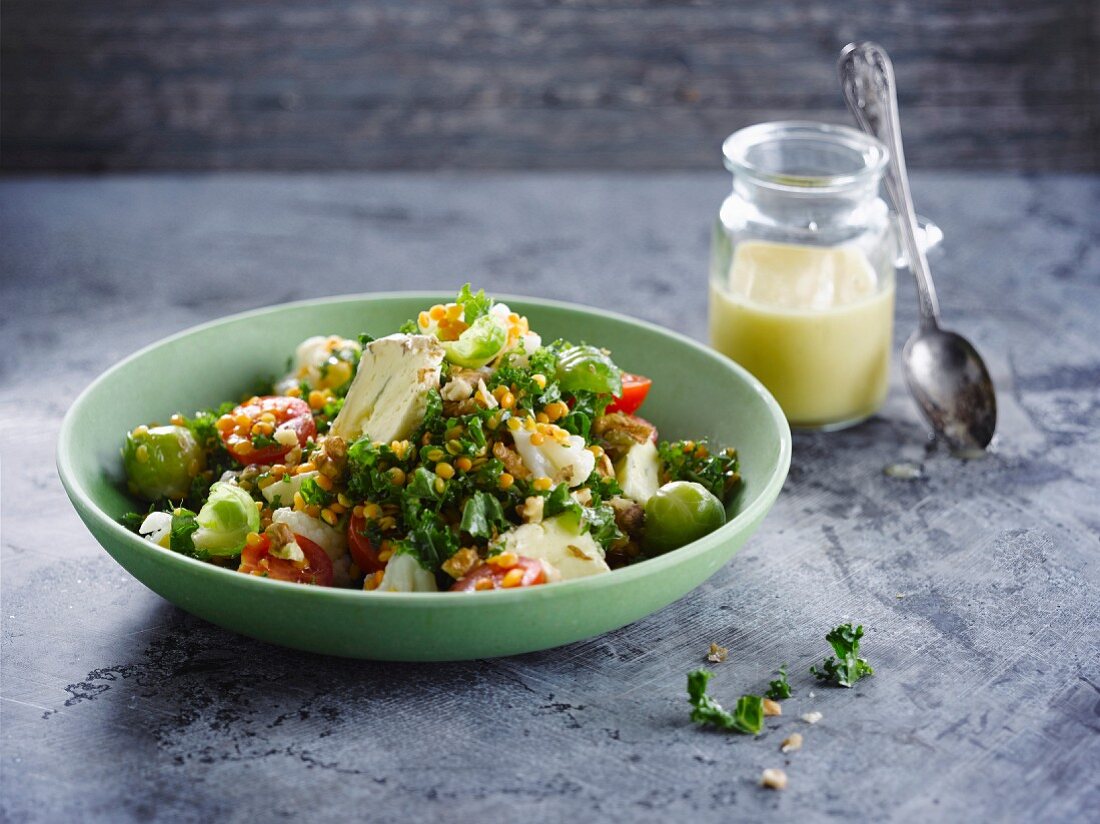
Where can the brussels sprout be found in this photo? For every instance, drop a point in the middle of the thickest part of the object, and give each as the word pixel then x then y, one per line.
pixel 680 512
pixel 225 520
pixel 590 369
pixel 162 461
pixel 478 345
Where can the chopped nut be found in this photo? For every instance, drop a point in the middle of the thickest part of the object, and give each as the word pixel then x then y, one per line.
pixel 774 779
pixel 511 460
pixel 772 707
pixel 461 562
pixel 811 717
pixel 532 509
pixel 791 743
pixel 717 654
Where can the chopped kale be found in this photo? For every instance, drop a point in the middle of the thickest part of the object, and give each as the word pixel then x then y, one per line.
pixel 313 494
pixel 847 667
pixel 747 717
pixel 483 516
pixel 694 461
pixel 133 520
pixel 473 305
pixel 779 688
pixel 184 526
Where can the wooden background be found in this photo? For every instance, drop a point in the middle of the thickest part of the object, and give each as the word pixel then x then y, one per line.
pixel 632 84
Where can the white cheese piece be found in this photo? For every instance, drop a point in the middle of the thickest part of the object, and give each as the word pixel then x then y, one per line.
pixel 638 472
pixel 388 397
pixel 570 463
pixel 404 574
pixel 557 542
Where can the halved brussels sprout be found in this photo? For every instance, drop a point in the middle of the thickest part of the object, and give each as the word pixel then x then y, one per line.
pixel 161 461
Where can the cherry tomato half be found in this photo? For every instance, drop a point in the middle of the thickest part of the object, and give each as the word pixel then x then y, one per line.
pixel 635 389
pixel 492 576
pixel 256 559
pixel 258 419
pixel 362 550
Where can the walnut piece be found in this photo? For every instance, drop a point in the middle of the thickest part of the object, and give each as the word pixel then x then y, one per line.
pixel 772 707
pixel 791 743
pixel 511 460
pixel 461 562
pixel 811 717
pixel 717 654
pixel 774 779
pixel 531 512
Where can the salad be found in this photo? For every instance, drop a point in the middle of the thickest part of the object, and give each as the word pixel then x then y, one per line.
pixel 461 453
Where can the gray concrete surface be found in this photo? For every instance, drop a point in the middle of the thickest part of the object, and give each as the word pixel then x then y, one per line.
pixel 978 582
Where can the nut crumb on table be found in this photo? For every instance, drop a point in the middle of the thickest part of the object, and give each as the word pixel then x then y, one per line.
pixel 773 779
pixel 717 654
pixel 772 707
pixel 791 743
pixel 811 717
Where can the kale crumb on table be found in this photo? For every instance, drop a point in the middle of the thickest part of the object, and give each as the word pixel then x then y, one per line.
pixel 463 452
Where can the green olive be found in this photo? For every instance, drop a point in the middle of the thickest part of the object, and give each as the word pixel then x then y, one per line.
pixel 161 461
pixel 679 513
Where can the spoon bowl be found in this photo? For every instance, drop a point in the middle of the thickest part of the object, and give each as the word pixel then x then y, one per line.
pixel 951 385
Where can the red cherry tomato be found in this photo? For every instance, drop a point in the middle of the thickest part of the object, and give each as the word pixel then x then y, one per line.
pixel 256 559
pixel 635 389
pixel 362 550
pixel 318 568
pixel 491 576
pixel 238 428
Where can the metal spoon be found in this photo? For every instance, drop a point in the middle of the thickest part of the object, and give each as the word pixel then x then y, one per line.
pixel 945 373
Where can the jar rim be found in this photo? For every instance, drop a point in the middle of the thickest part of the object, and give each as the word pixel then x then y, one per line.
pixel 872 156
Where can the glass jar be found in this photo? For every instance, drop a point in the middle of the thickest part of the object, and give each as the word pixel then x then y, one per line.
pixel 802 269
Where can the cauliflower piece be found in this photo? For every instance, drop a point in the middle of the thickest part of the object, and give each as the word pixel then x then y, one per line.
pixel 570 462
pixel 404 574
pixel 324 362
pixel 157 527
pixel 281 493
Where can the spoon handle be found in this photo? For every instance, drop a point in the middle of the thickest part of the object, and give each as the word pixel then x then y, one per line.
pixel 867 80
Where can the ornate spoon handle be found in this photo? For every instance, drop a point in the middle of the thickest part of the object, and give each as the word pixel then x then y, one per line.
pixel 867 80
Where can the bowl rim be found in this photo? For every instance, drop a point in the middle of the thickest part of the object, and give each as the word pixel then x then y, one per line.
pixel 86 506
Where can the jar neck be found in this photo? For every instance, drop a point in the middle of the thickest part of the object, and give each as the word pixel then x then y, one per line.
pixel 793 206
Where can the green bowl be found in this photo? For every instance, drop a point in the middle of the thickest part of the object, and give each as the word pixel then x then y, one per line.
pixel 695 393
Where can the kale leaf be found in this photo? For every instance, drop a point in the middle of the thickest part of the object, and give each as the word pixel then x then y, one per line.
pixel 847 667
pixel 428 539
pixel 473 305
pixel 601 524
pixel 779 688
pixel 184 526
pixel 132 520
pixel 747 717
pixel 694 461
pixel 482 516
pixel 313 494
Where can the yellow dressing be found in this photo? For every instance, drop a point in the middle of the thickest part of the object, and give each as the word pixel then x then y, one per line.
pixel 814 324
